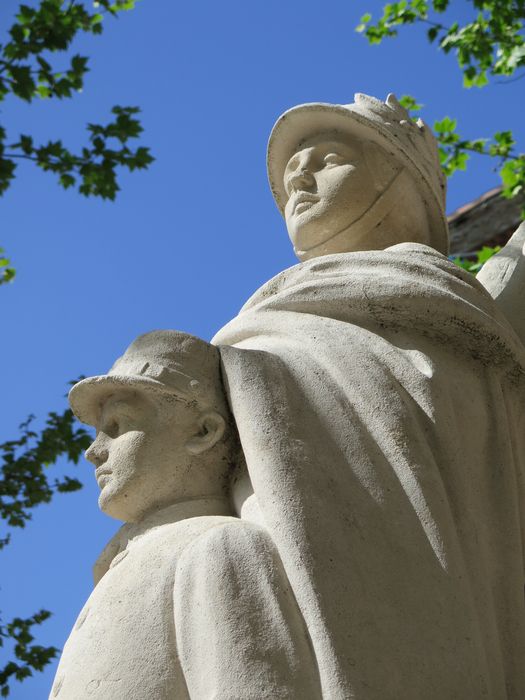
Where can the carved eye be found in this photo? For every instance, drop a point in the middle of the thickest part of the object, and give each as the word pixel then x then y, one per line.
pixel 333 159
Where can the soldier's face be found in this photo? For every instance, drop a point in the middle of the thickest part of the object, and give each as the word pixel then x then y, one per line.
pixel 139 455
pixel 329 187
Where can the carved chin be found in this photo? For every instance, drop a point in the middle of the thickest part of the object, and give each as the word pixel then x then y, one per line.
pixel 112 500
pixel 311 235
pixel 106 496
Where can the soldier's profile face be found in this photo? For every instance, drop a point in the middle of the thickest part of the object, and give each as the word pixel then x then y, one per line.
pixel 329 187
pixel 137 452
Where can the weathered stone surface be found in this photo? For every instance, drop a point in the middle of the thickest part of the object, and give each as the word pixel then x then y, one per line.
pixel 368 542
pixel 378 392
pixel 189 602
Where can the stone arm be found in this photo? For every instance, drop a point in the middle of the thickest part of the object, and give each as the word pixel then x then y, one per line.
pixel 503 276
pixel 240 635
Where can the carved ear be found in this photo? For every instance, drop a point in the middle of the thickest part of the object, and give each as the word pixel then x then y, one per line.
pixel 211 429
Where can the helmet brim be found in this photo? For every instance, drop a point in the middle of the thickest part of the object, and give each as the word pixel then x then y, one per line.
pixel 87 396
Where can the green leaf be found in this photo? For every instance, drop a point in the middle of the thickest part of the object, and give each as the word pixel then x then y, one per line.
pixel 516 58
pixel 123 5
pixel 473 79
pixel 512 176
pixel 459 161
pixel 7 173
pixel 481 256
pixel 23 481
pixel 67 180
pixel 26 144
pixel 29 656
pixel 486 253
pixel 365 19
pixel 445 125
pixel 43 91
pixel 410 103
pixel 7 272
pixel 477 145
pixel 22 83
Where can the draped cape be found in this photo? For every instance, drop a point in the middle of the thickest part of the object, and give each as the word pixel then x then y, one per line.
pixel 379 402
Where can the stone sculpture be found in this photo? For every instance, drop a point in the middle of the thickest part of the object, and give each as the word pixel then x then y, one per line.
pixel 189 602
pixel 376 528
pixel 378 393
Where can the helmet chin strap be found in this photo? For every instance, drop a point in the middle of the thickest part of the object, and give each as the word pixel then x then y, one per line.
pixel 376 212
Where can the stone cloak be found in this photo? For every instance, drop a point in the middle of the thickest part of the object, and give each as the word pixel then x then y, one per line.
pixel 379 401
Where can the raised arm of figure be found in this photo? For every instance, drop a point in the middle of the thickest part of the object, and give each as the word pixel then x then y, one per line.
pixel 503 276
pixel 240 635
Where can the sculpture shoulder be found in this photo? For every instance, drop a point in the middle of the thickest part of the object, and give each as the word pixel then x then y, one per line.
pixel 231 544
pixel 164 543
pixel 401 259
pixel 240 633
pixel 175 538
pixel 221 538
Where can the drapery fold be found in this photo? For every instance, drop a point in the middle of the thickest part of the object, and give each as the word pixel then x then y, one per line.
pixel 379 402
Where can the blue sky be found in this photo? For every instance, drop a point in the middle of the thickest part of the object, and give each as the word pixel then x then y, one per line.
pixel 188 241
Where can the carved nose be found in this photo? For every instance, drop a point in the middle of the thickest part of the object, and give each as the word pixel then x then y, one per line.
pixel 96 454
pixel 301 179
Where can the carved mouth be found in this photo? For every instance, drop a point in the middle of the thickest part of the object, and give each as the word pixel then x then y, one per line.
pixel 302 206
pixel 102 475
pixel 303 202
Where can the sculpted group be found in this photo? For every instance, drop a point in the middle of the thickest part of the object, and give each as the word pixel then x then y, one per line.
pixel 327 500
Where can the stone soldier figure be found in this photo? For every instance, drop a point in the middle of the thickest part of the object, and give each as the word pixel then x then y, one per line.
pixel 189 601
pixel 378 391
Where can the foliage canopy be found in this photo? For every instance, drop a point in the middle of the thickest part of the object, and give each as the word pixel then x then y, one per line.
pixel 29 71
